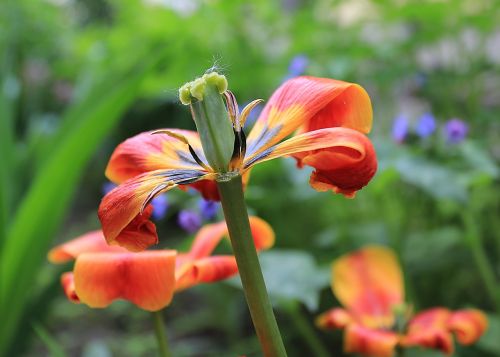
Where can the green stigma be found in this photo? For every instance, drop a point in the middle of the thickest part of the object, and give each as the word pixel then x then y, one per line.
pixel 196 90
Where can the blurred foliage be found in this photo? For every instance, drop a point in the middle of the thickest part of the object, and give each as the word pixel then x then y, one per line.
pixel 71 69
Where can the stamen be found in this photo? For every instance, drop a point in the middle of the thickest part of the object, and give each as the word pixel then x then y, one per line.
pixel 246 111
pixel 183 139
pixel 232 108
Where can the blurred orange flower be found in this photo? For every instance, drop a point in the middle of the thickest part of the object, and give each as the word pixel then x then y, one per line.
pixel 104 273
pixel 369 283
pixel 328 119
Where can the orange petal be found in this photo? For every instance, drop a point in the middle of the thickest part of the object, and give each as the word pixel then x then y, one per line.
pixel 146 279
pixel 344 159
pixel 312 103
pixel 334 318
pixel 68 284
pixel 369 342
pixel 120 210
pixel 468 325
pixel 369 283
pixel 430 329
pixel 149 152
pixel 205 270
pixel 90 242
pixel 210 235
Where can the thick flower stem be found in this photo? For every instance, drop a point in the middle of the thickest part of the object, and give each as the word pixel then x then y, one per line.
pixel 235 212
pixel 161 335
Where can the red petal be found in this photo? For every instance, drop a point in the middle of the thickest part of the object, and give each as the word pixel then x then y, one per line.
pixel 90 242
pixel 430 329
pixel 312 103
pixel 468 325
pixel 205 270
pixel 210 235
pixel 148 152
pixel 369 283
pixel 146 279
pixel 68 284
pixel 344 159
pixel 369 342
pixel 334 318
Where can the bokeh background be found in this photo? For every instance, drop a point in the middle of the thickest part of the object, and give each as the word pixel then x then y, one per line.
pixel 78 77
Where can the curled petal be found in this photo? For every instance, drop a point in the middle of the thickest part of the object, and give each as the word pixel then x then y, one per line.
pixel 344 159
pixel 369 283
pixel 146 279
pixel 334 319
pixel 430 329
pixel 369 342
pixel 124 221
pixel 468 325
pixel 210 235
pixel 90 242
pixel 205 270
pixel 149 152
pixel 68 284
pixel 310 103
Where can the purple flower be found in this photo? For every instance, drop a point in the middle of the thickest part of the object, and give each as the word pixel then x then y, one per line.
pixel 426 125
pixel 400 128
pixel 160 202
pixel 160 206
pixel 455 130
pixel 189 221
pixel 298 65
pixel 208 209
pixel 107 187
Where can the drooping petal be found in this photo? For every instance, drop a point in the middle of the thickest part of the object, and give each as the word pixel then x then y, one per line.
pixel 468 325
pixel 369 283
pixel 310 103
pixel 147 279
pixel 344 159
pixel 369 342
pixel 68 284
pixel 149 152
pixel 210 235
pixel 334 319
pixel 90 242
pixel 205 270
pixel 120 210
pixel 430 329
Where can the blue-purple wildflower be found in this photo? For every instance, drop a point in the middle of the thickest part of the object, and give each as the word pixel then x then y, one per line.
pixel 426 125
pixel 400 127
pixel 208 209
pixel 455 130
pixel 188 220
pixel 298 65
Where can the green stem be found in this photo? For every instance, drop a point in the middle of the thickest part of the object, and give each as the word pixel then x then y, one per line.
pixel 235 212
pixel 304 327
pixel 161 334
pixel 486 271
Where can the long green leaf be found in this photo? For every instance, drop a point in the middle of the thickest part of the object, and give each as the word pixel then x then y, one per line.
pixel 46 202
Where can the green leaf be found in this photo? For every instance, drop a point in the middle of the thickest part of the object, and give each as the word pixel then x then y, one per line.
pixel 47 200
pixel 54 348
pixel 293 275
pixel 490 341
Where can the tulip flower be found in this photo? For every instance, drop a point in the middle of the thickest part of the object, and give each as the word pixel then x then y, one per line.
pixel 149 279
pixel 369 283
pixel 327 118
pixel 320 122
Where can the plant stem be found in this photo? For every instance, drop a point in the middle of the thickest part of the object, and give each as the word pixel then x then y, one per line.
pixel 235 212
pixel 161 334
pixel 486 271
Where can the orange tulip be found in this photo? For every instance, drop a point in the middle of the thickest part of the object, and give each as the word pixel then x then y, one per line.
pixel 149 279
pixel 369 283
pixel 328 120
